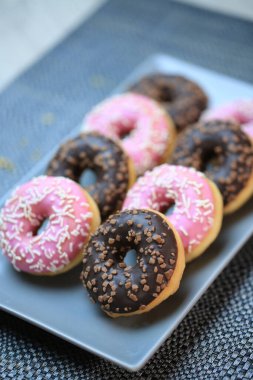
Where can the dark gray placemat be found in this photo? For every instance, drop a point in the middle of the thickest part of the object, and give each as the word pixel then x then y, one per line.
pixel 46 102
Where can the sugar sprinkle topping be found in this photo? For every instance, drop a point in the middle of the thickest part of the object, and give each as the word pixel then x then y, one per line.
pixel 188 189
pixel 62 203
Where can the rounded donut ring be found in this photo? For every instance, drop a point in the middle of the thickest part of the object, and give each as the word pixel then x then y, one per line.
pixel 197 204
pixel 224 153
pixel 182 98
pixel 239 111
pixel 113 168
pixel 123 290
pixel 71 216
pixel 145 130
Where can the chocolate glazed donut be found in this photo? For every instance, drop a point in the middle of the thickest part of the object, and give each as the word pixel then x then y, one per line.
pixel 106 158
pixel 224 153
pixel 122 289
pixel 182 98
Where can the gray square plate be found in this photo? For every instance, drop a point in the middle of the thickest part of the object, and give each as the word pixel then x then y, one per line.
pixel 60 305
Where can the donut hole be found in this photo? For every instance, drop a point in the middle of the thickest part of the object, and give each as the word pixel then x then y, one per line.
pixel 43 225
pixel 125 129
pixel 168 208
pixel 211 161
pixel 88 178
pixel 124 134
pixel 130 258
pixel 165 95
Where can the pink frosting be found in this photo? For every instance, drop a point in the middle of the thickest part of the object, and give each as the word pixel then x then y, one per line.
pixel 248 128
pixel 239 111
pixel 187 189
pixel 145 122
pixel 63 204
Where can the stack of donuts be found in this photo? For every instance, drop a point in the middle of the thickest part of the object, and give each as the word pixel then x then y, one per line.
pixel 166 172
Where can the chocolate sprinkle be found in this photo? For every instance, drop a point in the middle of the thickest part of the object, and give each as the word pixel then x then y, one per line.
pixel 182 98
pixel 130 289
pixel 102 155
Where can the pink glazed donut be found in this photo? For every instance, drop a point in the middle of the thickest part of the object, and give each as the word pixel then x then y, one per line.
pixel 70 213
pixel 145 130
pixel 197 213
pixel 239 111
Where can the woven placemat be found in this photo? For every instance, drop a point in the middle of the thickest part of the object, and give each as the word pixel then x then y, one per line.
pixel 45 103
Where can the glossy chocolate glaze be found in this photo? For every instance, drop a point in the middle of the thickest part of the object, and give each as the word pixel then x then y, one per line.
pixel 183 99
pixel 120 288
pixel 105 158
pixel 219 149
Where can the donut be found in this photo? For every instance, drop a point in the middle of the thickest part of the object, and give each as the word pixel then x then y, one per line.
pixel 71 216
pixel 197 204
pixel 123 290
pixel 113 168
pixel 248 129
pixel 182 98
pixel 224 153
pixel 146 132
pixel 239 111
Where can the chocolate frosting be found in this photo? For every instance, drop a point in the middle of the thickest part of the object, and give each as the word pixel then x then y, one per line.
pixel 102 155
pixel 120 288
pixel 182 98
pixel 221 150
